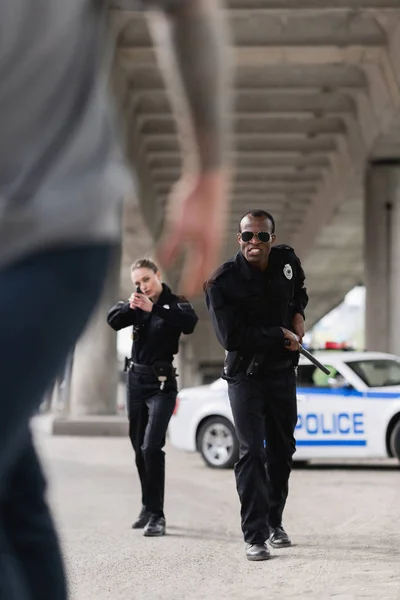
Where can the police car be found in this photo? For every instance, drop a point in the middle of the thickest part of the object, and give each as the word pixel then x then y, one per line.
pixel 354 412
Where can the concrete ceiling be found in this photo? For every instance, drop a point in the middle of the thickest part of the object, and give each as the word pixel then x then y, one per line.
pixel 317 94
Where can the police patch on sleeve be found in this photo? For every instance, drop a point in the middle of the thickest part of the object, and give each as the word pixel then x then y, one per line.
pixel 288 271
pixel 184 303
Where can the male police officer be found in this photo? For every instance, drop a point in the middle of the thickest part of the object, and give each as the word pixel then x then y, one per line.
pixel 256 301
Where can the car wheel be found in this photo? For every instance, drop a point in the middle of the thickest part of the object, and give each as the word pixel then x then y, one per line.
pixel 217 443
pixel 395 441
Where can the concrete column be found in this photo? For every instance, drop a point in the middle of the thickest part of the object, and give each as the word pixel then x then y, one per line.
pixel 382 256
pixel 95 369
pixel 187 365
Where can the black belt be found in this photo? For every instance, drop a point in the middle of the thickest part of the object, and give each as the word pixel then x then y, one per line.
pixel 141 369
pixel 257 367
pixel 157 369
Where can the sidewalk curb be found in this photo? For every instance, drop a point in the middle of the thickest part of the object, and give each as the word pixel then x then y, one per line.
pixel 87 426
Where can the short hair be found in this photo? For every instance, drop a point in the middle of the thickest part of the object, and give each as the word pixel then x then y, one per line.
pixel 257 213
pixel 144 263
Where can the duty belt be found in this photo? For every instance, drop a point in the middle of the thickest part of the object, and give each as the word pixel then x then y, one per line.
pixel 161 370
pixel 260 365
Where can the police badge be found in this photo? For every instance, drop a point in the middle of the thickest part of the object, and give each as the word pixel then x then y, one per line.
pixel 288 271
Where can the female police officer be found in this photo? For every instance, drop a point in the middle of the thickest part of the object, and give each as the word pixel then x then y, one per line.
pixel 158 318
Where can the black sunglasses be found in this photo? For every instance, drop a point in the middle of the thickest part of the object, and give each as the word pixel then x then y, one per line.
pixel 262 236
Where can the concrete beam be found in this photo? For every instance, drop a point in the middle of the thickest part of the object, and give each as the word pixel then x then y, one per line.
pixel 392 27
pixel 251 143
pixel 341 184
pixel 338 28
pixel 169 173
pixel 258 56
pixel 319 103
pixel 259 123
pixel 278 186
pixel 121 5
pixel 264 189
pixel 308 4
pixel 249 174
pixel 260 28
pixel 266 159
pixel 146 77
pixel 255 199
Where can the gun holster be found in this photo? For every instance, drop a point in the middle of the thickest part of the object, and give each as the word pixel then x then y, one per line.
pixel 233 361
pixel 255 365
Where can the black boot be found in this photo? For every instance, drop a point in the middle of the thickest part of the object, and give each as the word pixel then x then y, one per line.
pixel 278 538
pixel 142 519
pixel 257 552
pixel 155 527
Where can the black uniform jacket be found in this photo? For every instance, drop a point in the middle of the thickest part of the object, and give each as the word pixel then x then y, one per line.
pixel 248 306
pixel 159 330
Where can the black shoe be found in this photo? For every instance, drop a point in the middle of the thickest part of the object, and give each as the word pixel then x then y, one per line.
pixel 278 538
pixel 142 519
pixel 155 527
pixel 257 552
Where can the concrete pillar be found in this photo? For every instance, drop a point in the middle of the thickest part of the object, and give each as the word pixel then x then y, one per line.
pixel 187 365
pixel 95 370
pixel 382 256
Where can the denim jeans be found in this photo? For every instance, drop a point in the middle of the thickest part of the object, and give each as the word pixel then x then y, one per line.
pixel 45 302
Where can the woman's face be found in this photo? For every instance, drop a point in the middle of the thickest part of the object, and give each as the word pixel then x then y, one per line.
pixel 149 282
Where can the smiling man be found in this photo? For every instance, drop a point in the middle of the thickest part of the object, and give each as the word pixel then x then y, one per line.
pixel 256 301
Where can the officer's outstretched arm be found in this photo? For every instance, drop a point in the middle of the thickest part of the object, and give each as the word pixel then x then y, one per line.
pixel 180 315
pixel 121 315
pixel 192 49
pixel 233 333
pixel 191 39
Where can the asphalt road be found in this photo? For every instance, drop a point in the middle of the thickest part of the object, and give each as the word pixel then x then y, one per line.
pixel 344 522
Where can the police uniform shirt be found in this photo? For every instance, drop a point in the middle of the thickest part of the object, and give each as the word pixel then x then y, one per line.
pixel 159 330
pixel 248 306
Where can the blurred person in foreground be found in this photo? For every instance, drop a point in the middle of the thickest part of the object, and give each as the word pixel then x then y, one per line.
pixel 158 319
pixel 61 187
pixel 256 302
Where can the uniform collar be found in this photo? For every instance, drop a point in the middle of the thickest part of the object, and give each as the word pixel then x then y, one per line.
pixel 246 270
pixel 165 294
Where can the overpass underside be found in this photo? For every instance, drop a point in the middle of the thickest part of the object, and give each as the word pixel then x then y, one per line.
pixel 317 95
pixel 317 138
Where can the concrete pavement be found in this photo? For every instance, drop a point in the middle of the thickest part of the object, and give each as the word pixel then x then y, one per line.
pixel 345 524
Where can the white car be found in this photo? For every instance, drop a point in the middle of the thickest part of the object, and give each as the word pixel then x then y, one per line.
pixel 352 413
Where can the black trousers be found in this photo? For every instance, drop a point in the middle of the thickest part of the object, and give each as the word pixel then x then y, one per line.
pixel 150 410
pixel 264 409
pixel 31 565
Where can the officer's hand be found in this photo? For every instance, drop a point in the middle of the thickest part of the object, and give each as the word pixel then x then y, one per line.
pixel 195 225
pixel 292 337
pixel 143 302
pixel 131 299
pixel 298 326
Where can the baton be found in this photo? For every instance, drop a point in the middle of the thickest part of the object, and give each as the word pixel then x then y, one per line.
pixel 311 358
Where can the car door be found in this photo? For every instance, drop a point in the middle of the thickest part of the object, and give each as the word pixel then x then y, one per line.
pixel 331 420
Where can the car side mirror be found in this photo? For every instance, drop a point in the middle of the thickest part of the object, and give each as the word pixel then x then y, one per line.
pixel 338 382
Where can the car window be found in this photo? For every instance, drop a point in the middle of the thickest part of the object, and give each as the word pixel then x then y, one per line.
pixel 311 377
pixel 377 372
